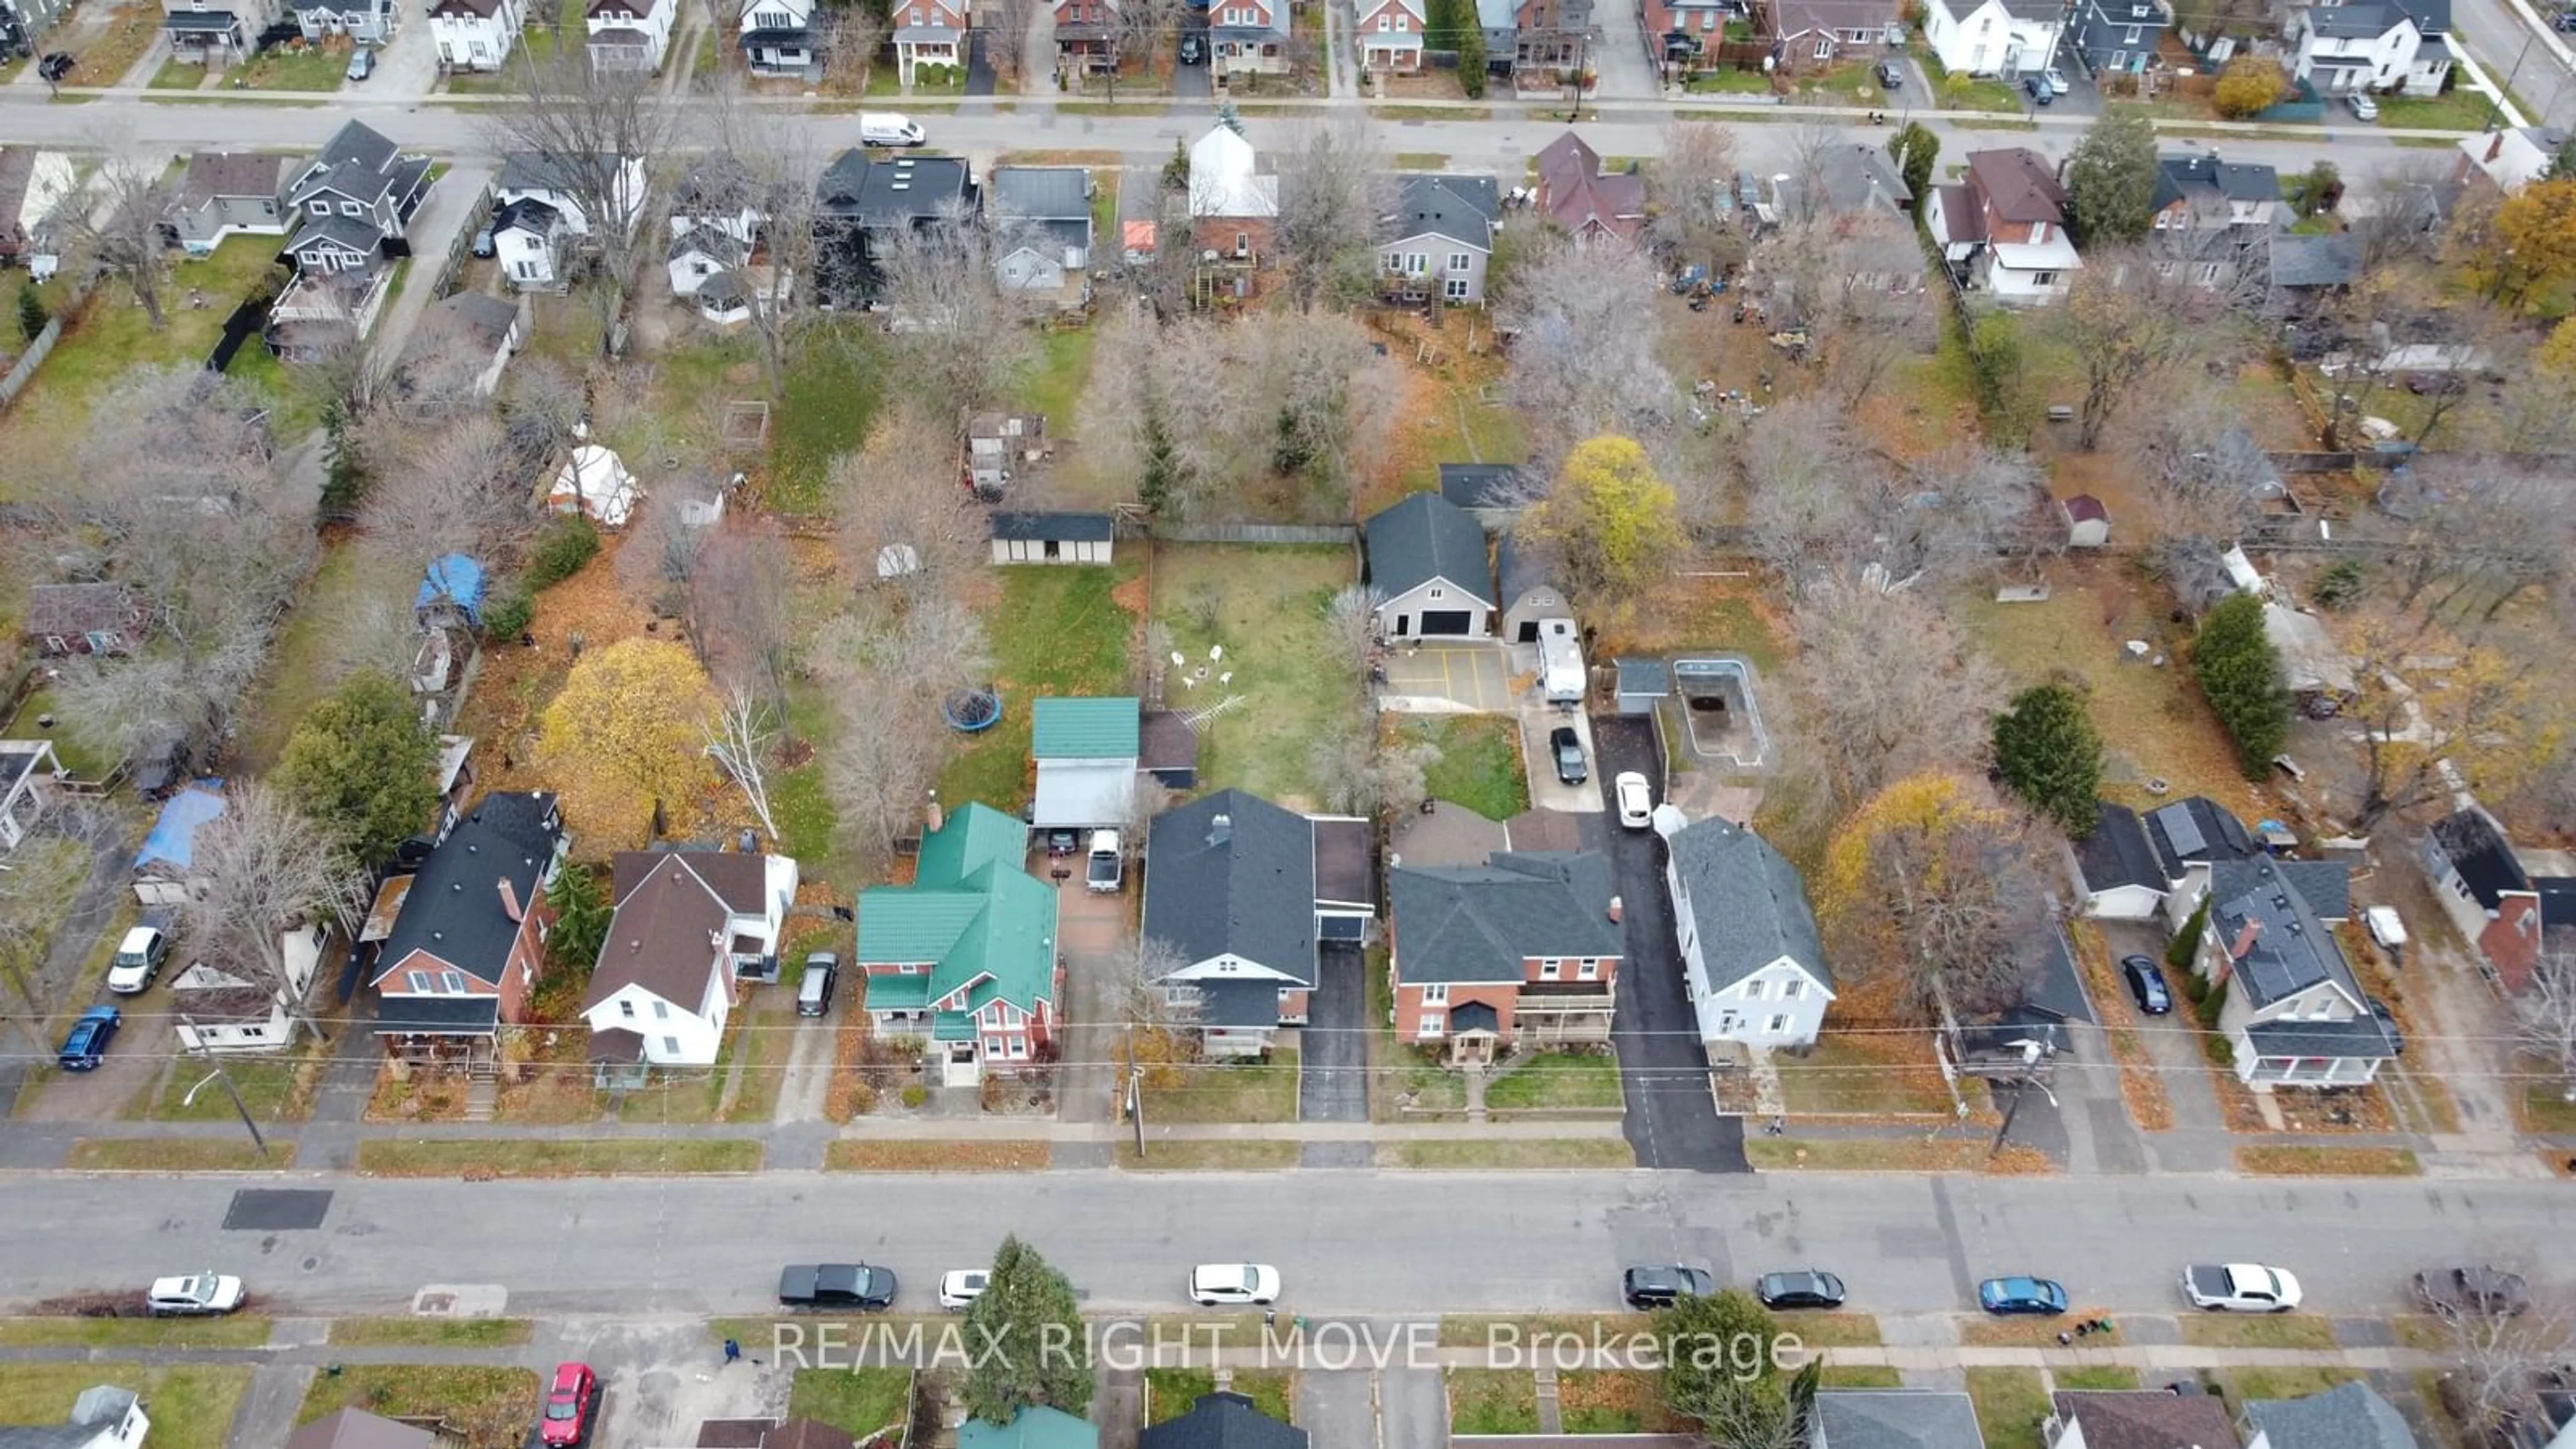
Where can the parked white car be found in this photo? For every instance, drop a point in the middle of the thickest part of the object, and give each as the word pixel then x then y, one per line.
pixel 2363 107
pixel 196 1294
pixel 960 1287
pixel 2240 1288
pixel 1215 1283
pixel 138 960
pixel 1636 799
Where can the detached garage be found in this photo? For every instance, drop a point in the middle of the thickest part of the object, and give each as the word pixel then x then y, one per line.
pixel 1053 538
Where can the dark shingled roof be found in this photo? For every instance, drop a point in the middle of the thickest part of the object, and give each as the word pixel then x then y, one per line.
pixel 2179 177
pixel 1054 527
pixel 891 193
pixel 453 914
pixel 2331 260
pixel 1748 902
pixel 1247 888
pixel 2362 1036
pixel 2347 1416
pixel 1469 1016
pixel 358 1429
pixel 213 174
pixel 2326 885
pixel 2147 1419
pixel 2117 853
pixel 1345 864
pixel 438 1016
pixel 1644 677
pixel 2195 831
pixel 2019 184
pixel 2291 949
pixel 1897 1419
pixel 1222 1421
pixel 1039 193
pixel 1464 209
pixel 1478 924
pixel 1427 537
pixel 2478 850
pixel 1237 1003
pixel 669 906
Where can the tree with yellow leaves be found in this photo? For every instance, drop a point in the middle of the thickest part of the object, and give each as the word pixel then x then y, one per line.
pixel 1939 884
pixel 2531 244
pixel 2557 356
pixel 628 734
pixel 1610 520
pixel 2420 699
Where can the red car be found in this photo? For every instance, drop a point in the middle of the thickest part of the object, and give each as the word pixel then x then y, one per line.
pixel 569 1404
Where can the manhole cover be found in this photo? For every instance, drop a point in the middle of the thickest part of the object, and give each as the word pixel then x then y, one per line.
pixel 273 1210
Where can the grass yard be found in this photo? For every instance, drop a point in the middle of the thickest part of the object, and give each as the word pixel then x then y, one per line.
pixel 2459 111
pixel 834 383
pixel 1832 1330
pixel 483 1408
pixel 1481 1331
pixel 2249 1330
pixel 1064 368
pixel 191 1406
pixel 1265 606
pixel 299 675
pixel 298 68
pixel 1247 1091
pixel 1728 82
pixel 1172 1392
pixel 176 1154
pixel 1558 1079
pixel 858 1400
pixel 1507 1154
pixel 1492 1401
pixel 2546 1108
pixel 177 75
pixel 1479 763
pixel 131 29
pixel 1861 1376
pixel 1055 631
pixel 2240 1384
pixel 431 1332
pixel 1886 1074
pixel 275 1089
pixel 1725 616
pixel 2100 1378
pixel 2329 1161
pixel 240 1330
pixel 1413 1076
pixel 1615 1401
pixel 1891 1154
pixel 561 1157
pixel 920 1155
pixel 2154 723
pixel 2010 1402
pixel 1202 1155
pixel 808 821
pixel 1989 1332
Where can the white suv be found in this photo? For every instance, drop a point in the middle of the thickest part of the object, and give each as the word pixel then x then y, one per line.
pixel 1215 1283
pixel 138 960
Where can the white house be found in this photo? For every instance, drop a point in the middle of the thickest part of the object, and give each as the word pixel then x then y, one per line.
pixel 532 242
pixel 2372 47
pixel 1248 37
pixel 1751 955
pixel 1042 217
pixel 2512 159
pixel 103 1417
pixel 595 481
pixel 1993 37
pixel 475 34
pixel 686 924
pixel 215 1010
pixel 568 184
pixel 778 37
pixel 1426 559
pixel 2002 229
pixel 1440 236
pixel 2294 1016
pixel 629 35
pixel 1086 751
pixel 28 771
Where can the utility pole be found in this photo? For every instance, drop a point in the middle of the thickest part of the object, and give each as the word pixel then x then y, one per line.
pixel 2021 1086
pixel 1136 1095
pixel 224 1075
pixel 2495 105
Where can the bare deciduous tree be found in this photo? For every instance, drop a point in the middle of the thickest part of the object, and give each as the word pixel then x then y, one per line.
pixel 1350 623
pixel 460 490
pixel 259 869
pixel 740 610
pixel 2504 1362
pixel 586 124
pixel 900 492
pixel 1584 363
pixel 1872 725
pixel 2128 323
pixel 1363 774
pixel 1139 30
pixel 741 739
pixel 2544 1015
pixel 963 344
pixel 115 227
pixel 755 188
pixel 1333 188
pixel 1854 282
pixel 1006 33
pixel 2207 480
pixel 1692 187
pixel 852 37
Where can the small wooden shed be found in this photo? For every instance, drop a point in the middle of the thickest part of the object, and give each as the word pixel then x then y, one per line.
pixel 1053 538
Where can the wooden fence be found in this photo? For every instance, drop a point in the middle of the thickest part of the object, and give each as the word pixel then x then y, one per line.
pixel 1273 533
pixel 28 361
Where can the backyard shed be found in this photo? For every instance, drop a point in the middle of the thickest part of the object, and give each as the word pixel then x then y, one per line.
pixel 167 861
pixel 1168 749
pixel 1643 684
pixel 1053 538
pixel 2088 523
pixel 595 481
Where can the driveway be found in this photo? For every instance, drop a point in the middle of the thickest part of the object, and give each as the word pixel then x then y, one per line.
pixel 409 66
pixel 1620 56
pixel 1446 679
pixel 1539 720
pixel 447 211
pixel 1413 1409
pixel 1672 1122
pixel 979 70
pixel 1091 931
pixel 1193 82
pixel 1337 1408
pixel 803 1095
pixel 1332 1082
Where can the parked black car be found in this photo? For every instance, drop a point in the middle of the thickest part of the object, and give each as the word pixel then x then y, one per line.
pixel 836 1285
pixel 1568 750
pixel 1660 1287
pixel 55 66
pixel 2388 1019
pixel 1806 1288
pixel 2041 93
pixel 2147 985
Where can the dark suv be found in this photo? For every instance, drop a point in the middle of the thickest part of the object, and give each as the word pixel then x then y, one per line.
pixel 1568 750
pixel 1661 1287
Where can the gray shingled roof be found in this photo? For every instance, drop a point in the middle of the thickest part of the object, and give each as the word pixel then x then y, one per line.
pixel 1222 1421
pixel 2291 949
pixel 2330 260
pixel 1427 537
pixel 1897 1419
pixel 2326 885
pixel 1747 901
pixel 2147 1419
pixel 2117 853
pixel 1651 677
pixel 2477 849
pixel 2347 1416
pixel 2196 830
pixel 1247 889
pixel 1039 193
pixel 1465 924
pixel 1465 209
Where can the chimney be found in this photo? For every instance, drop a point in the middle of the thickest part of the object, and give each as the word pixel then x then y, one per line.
pixel 937 818
pixel 2244 941
pixel 2495 145
pixel 510 901
pixel 1617 907
pixel 1220 830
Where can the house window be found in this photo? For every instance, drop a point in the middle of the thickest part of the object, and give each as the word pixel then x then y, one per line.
pixel 993 1046
pixel 2132 36
pixel 321 208
pixel 1825 48
pixel 661 1010
pixel 1019 1048
pixel 2043 279
pixel 1385 23
pixel 1550 969
pixel 1460 261
pixel 1433 1024
pixel 351 208
pixel 452 982
pixel 1455 288
pixel 1793 989
pixel 1436 994
pixel 1754 988
pixel 908 968
pixel 1779 1025
pixel 671 1046
pixel 251 1032
pixel 421 983
pixel 626 1009
pixel 1588 969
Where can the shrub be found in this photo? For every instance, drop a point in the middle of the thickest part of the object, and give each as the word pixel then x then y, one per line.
pixel 2185 947
pixel 31 312
pixel 564 546
pixel 508 613
pixel 2339 585
pixel 2249 85
pixel 915 1095
pixel 2240 672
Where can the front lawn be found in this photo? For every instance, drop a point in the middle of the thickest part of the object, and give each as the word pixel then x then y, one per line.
pixel 1245 1091
pixel 239 1330
pixel 1612 1401
pixel 191 1406
pixel 2461 110
pixel 483 1408
pixel 1875 1076
pixel 2098 1378
pixel 1479 763
pixel 555 1157
pixel 1492 1401
pixel 431 1332
pixel 1265 607
pixel 1728 82
pixel 2304 1161
pixel 177 1154
pixel 1507 1154
pixel 1172 1392
pixel 297 68
pixel 275 1089
pixel 861 1401
pixel 2249 1330
pixel 1557 1079
pixel 2010 1402
pixel 1055 631
pixel 2545 1107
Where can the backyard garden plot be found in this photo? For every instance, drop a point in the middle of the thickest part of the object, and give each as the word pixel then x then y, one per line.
pixel 1257 666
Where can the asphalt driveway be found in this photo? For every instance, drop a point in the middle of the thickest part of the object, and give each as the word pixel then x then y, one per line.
pixel 1446 679
pixel 1672 1122
pixel 1332 1085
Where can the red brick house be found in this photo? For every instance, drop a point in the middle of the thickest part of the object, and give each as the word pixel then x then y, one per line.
pixel 1390 36
pixel 1086 34
pixel 1519 951
pixel 2491 894
pixel 457 945
pixel 1575 193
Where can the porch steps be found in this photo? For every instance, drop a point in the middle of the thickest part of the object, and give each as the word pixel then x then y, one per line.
pixel 482 1088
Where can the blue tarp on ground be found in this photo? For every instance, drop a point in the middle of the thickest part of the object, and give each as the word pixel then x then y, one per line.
pixel 173 836
pixel 456 579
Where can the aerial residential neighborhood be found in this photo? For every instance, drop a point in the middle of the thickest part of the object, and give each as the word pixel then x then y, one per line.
pixel 1335 724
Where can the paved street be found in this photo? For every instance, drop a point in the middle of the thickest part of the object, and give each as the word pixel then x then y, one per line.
pixel 1346 1242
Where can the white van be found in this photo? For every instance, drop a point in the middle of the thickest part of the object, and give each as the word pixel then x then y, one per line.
pixel 888 128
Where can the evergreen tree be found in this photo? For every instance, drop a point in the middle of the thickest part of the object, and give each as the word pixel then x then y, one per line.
pixel 361 760
pixel 1915 150
pixel 2111 180
pixel 1028 1339
pixel 31 312
pixel 2240 672
pixel 581 918
pixel 2051 756
pixel 2180 951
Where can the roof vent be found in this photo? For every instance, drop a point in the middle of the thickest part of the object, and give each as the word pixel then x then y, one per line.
pixel 1220 830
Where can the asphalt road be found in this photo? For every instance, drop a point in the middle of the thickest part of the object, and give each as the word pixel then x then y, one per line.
pixel 1347 1243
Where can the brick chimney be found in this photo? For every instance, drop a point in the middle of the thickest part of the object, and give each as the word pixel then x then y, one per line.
pixel 510 901
pixel 2244 941
pixel 937 818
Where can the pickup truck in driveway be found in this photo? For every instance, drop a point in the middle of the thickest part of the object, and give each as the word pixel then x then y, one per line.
pixel 2240 1288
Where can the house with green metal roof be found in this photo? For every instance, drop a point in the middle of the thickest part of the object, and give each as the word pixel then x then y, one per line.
pixel 965 956
pixel 1086 753
pixel 1035 1426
